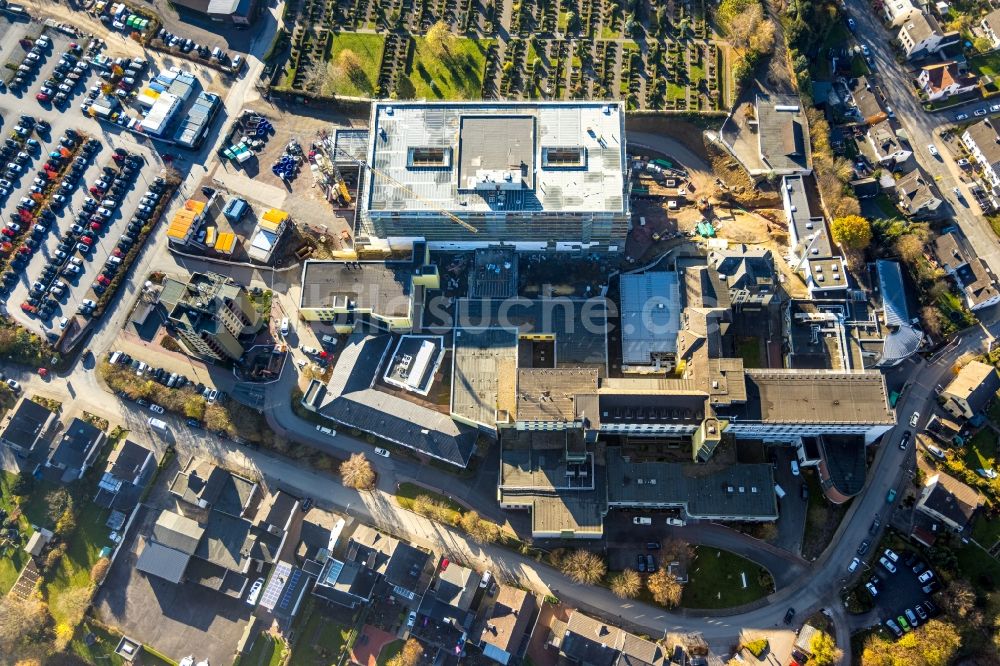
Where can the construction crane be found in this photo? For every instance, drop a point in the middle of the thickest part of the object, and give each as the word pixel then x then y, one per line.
pixel 381 174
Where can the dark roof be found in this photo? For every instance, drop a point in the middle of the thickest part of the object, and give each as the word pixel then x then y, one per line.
pixel 163 562
pixel 985 137
pixel 350 400
pixel 178 532
pixel 445 624
pixel 509 619
pixel 76 445
pixel 127 460
pixel 844 457
pixel 205 483
pixel 949 497
pixel 231 542
pixel 354 583
pixel 26 423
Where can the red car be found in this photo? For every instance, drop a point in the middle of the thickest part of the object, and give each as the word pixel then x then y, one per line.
pixel 96 191
pixel 103 280
pixel 118 158
pixel 29 308
pixel 95 226
pixel 8 232
pixel 24 249
pixel 87 241
pixel 118 252
pixel 42 97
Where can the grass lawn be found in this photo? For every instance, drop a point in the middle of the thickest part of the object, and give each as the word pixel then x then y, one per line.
pixel 675 92
pixel 715 580
pixel 977 567
pixel 320 638
pixel 986 64
pixel 459 75
pixel 389 650
pixel 981 450
pixel 859 67
pixel 749 350
pixel 368 48
pixel 697 75
pixel 103 649
pixel 889 210
pixel 266 651
pixel 409 491
pixel 986 532
pixel 85 545
pixel 822 517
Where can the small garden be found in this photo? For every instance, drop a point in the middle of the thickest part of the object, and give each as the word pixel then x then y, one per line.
pixel 715 580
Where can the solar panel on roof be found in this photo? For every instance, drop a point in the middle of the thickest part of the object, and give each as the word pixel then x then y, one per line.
pixel 275 585
pixel 286 598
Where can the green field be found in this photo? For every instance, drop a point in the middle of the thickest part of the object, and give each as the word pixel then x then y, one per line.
pixel 389 650
pixel 714 580
pixel 457 75
pixel 749 350
pixel 981 450
pixel 359 82
pixel 85 545
pixel 267 651
pixel 986 64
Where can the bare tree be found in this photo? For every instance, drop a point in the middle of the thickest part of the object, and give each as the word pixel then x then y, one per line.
pixel 584 566
pixel 665 588
pixel 356 472
pixel 626 584
pixel 481 531
pixel 24 628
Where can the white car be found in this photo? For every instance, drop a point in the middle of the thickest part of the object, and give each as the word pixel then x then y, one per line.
pixel 255 591
pixel 925 576
pixel 795 468
pixel 853 566
pixel 872 590
pixel 284 327
pixel 13 385
pixel 932 149
pixel 64 321
pixel 642 520
pixel 994 108
pixel 676 522
pixel 979 113
pixel 153 407
pixel 411 619
pixel 311 351
pixel 889 566
pixel 379 451
pixel 864 49
pixel 891 555
pixel 915 417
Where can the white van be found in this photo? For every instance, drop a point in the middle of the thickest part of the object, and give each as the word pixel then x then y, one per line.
pixel 217 53
pixel 157 424
pixel 779 491
pixel 642 520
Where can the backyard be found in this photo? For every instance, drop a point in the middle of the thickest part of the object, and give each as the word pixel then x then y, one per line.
pixel 986 64
pixel 981 450
pixel 389 650
pixel 319 638
pixel 267 651
pixel 715 580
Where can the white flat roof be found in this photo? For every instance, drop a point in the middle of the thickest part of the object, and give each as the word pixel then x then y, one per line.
pixel 497 156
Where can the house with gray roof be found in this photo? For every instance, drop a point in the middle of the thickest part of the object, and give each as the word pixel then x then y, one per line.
pixel 169 547
pixel 73 453
pixel 947 500
pixel 782 136
pixel 920 35
pixel 590 642
pixel 917 196
pixel 903 338
pixel 991 27
pixel 27 424
pixel 983 142
pixel 130 467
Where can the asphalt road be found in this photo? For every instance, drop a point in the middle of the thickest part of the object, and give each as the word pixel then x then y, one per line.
pixel 923 129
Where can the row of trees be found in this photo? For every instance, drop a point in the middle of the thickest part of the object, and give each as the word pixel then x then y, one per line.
pixel 588 568
pixel 749 32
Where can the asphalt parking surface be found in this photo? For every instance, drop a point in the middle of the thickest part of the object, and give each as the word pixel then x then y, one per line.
pixel 12 105
pixel 899 591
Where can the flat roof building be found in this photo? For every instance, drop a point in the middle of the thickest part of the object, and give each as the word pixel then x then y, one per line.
pixel 536 174
pixel 783 135
pixel 650 318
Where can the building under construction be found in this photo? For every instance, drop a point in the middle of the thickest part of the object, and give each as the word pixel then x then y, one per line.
pixel 460 175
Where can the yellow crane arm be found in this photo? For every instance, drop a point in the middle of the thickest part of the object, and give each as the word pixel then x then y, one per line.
pixel 451 216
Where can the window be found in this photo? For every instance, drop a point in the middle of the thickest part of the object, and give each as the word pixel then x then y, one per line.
pixel 428 157
pixel 564 157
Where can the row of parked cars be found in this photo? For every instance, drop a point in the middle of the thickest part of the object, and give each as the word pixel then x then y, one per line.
pixel 186 45
pixel 33 59
pixel 69 73
pixel 162 376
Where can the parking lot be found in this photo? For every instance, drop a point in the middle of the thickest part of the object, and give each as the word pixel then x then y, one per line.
pixel 67 116
pixel 900 594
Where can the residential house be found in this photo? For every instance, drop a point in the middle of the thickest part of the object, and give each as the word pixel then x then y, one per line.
pixel 916 196
pixel 747 271
pixel 991 27
pixel 866 188
pixel 886 147
pixel 972 276
pixel 947 500
pixel 348 584
pixel 921 35
pixel 400 563
pixel 75 451
pixel 971 391
pixel 590 642
pixel 942 80
pixel 982 141
pixel 508 623
pixel 867 107
pixel 445 615
pixel 26 425
pixel 130 467
pixel 898 12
